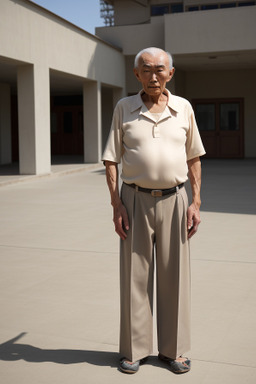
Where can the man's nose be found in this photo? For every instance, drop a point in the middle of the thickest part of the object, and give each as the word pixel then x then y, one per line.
pixel 153 77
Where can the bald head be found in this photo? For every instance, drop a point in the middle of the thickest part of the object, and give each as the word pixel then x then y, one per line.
pixel 153 51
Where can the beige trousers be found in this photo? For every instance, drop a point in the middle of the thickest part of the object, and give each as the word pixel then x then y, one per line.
pixel 157 227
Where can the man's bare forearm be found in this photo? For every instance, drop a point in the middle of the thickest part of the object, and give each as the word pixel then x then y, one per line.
pixel 120 217
pixel 193 213
pixel 194 173
pixel 112 181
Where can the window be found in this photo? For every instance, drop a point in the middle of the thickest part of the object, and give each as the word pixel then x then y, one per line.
pixel 177 8
pixel 228 5
pixel 246 3
pixel 218 5
pixel 195 8
pixel 159 10
pixel 210 6
pixel 205 115
pixel 229 116
pixel 162 9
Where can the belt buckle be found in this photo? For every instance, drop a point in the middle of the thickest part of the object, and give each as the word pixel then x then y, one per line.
pixel 156 193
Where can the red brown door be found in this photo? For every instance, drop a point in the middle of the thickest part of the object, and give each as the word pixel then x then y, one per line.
pixel 220 122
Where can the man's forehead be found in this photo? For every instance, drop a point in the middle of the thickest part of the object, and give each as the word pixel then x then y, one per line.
pixel 146 64
pixel 147 60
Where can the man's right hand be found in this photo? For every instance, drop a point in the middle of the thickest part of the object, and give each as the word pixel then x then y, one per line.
pixel 121 221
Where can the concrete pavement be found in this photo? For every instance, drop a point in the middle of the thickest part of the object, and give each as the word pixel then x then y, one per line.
pixel 59 289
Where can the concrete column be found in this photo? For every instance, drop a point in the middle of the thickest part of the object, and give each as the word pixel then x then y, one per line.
pixel 92 121
pixel 118 93
pixel 107 113
pixel 5 124
pixel 34 119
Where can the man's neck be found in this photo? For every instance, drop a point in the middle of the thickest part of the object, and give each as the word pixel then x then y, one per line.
pixel 155 104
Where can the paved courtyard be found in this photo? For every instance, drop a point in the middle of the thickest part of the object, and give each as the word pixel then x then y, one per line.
pixel 59 289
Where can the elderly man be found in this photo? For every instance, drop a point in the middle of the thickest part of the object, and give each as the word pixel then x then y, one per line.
pixel 155 137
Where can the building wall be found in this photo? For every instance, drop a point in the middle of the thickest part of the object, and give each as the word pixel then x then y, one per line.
pixel 224 30
pixel 132 38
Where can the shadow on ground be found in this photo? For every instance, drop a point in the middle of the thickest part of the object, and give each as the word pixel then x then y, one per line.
pixel 9 351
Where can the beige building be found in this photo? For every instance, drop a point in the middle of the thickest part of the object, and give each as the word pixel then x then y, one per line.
pixel 214 50
pixel 59 84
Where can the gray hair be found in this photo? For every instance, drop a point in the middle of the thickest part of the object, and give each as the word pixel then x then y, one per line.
pixel 152 51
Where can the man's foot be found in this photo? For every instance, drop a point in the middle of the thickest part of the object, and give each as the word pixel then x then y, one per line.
pixel 180 365
pixel 127 366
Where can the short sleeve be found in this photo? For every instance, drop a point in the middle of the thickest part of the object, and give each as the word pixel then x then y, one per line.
pixel 113 149
pixel 194 145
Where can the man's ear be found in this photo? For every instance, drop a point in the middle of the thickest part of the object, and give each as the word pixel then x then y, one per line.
pixel 136 73
pixel 171 74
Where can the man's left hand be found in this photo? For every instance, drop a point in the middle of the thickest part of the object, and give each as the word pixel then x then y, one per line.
pixel 193 219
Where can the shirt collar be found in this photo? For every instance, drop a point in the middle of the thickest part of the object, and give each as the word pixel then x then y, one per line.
pixel 138 103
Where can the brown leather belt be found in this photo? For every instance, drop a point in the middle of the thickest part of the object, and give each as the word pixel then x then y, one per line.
pixel 156 192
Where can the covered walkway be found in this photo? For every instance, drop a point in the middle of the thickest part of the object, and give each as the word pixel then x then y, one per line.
pixel 59 292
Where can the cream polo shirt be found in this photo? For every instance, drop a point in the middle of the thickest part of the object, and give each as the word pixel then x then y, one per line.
pixel 153 152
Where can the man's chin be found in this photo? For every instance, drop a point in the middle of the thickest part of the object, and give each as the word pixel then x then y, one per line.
pixel 153 91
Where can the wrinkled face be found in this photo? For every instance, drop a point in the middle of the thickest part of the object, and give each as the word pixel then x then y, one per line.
pixel 153 72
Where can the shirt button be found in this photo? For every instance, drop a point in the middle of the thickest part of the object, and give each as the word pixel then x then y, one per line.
pixel 156 133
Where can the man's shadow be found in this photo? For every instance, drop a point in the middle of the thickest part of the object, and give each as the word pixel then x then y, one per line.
pixel 9 351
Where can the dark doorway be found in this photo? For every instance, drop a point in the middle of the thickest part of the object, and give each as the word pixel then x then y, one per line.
pixel 67 136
